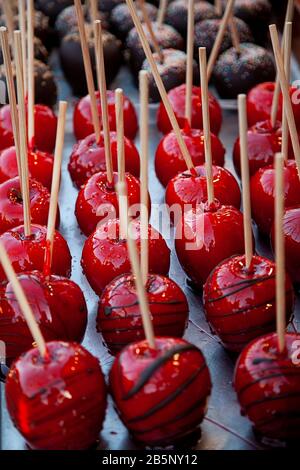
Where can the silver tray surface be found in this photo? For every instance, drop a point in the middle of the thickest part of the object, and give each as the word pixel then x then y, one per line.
pixel 223 428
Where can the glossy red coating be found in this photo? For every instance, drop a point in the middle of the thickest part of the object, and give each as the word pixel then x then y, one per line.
pixel 119 318
pixel 206 236
pixel 267 383
pixel 240 303
pixel 262 187
pixel 105 256
pixel 57 402
pixel 11 204
pixel 169 160
pixel 88 158
pixel 291 229
pixel 97 201
pixel 187 191
pixel 259 103
pixel 28 253
pixel 40 166
pixel 264 141
pixel 57 303
pixel 45 122
pixel 161 394
pixel 177 99
pixel 82 119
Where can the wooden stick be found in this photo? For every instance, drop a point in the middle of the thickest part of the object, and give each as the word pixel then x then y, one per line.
pixel 23 29
pixel 160 86
pixel 190 61
pixel 218 7
pixel 9 18
pixel 144 137
pixel 94 12
pixel 286 95
pixel 11 93
pixel 215 50
pixel 88 68
pixel 279 252
pixel 235 37
pixel 103 97
pixel 287 66
pixel 23 302
pixel 155 44
pixel 59 145
pixel 119 100
pixel 163 5
pixel 30 71
pixel 206 124
pixel 288 18
pixel 135 265
pixel 243 129
pixel 22 134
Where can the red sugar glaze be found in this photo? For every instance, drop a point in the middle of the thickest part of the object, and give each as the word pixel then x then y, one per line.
pixel 119 318
pixel 240 304
pixel 57 403
pixel 161 394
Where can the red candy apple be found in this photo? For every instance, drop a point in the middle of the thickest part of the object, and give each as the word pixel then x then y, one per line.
pixel 262 187
pixel 28 253
pixel 291 228
pixel 40 166
pixel 57 303
pixel 177 99
pixel 169 160
pixel 119 318
pixel 97 201
pixel 259 103
pixel 57 402
pixel 11 204
pixel 105 254
pixel 88 158
pixel 207 235
pixel 45 123
pixel 267 383
pixel 185 190
pixel 240 304
pixel 161 394
pixel 82 120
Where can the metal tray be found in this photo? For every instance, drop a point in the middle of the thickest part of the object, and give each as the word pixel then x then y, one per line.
pixel 224 427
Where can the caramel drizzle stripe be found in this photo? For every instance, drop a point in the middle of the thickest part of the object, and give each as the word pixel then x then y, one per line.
pixel 170 397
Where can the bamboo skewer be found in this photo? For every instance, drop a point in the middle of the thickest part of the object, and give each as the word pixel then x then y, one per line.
pixel 163 5
pixel 144 133
pixel 56 175
pixel 23 135
pixel 9 18
pixel 119 100
pixel 11 94
pixel 161 88
pixel 279 252
pixel 148 24
pixel 30 71
pixel 206 124
pixel 286 96
pixel 235 37
pixel 23 29
pixel 190 61
pixel 94 12
pixel 218 7
pixel 287 67
pixel 23 302
pixel 135 265
pixel 243 130
pixel 88 67
pixel 103 97
pixel 288 18
pixel 215 50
